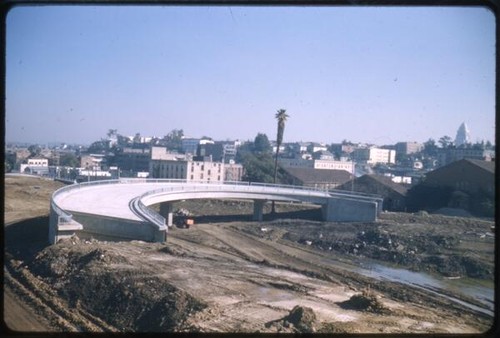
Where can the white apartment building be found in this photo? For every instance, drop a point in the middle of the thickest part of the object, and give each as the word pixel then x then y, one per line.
pixel 204 171
pixel 43 162
pixel 39 166
pixel 317 164
pixel 374 155
pixel 334 165
pixel 180 166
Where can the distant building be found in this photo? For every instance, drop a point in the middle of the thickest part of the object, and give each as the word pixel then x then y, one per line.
pixel 214 150
pixel 394 194
pixel 92 175
pixel 92 161
pixel 314 147
pixel 189 145
pixel 341 148
pixel 316 178
pixel 133 159
pixel 317 164
pixel 465 184
pixel 449 155
pixel 180 166
pixel 162 153
pixel 233 172
pixel 374 155
pixel 274 146
pixel 463 135
pixel 470 176
pixel 229 149
pixel 36 166
pixel 407 148
pixel 299 147
pixel 323 155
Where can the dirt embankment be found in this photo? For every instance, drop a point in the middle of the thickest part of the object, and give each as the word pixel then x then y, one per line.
pixel 280 275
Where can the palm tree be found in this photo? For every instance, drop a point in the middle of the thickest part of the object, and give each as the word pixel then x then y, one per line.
pixel 281 116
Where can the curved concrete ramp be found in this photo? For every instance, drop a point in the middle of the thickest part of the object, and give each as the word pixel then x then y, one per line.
pixel 119 208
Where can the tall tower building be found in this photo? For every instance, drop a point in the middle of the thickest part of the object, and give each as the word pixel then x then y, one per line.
pixel 463 135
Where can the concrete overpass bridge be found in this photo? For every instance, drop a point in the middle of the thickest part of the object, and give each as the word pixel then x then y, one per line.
pixel 120 208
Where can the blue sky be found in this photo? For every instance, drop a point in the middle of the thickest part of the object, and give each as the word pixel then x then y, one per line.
pixel 372 74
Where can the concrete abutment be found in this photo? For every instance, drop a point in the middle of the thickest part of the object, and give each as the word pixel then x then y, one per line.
pixel 349 210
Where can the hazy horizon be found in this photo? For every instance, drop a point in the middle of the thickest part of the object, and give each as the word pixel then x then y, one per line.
pixel 376 75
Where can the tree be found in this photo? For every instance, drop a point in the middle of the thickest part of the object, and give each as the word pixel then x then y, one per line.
pixel 98 147
pixel 258 167
pixel 257 160
pixel 34 150
pixel 430 148
pixel 445 141
pixel 173 140
pixel 261 143
pixel 281 116
pixel 112 132
pixel 69 160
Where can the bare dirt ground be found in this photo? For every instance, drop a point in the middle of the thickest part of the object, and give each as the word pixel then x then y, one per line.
pixel 226 274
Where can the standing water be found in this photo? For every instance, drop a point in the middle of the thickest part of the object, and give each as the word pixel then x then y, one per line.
pixel 482 293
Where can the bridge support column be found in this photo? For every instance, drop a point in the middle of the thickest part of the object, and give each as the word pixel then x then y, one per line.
pixel 166 210
pixel 258 207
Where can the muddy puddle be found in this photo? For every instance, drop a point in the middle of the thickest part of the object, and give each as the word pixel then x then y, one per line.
pixel 434 284
pixel 480 290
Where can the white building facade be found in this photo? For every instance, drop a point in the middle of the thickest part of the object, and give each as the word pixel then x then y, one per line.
pixel 375 155
pixel 317 164
pixel 38 166
pixel 180 166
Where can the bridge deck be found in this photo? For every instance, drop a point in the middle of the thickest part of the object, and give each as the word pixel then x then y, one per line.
pixel 106 200
pixel 114 200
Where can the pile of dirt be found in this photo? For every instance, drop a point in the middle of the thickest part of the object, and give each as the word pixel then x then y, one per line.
pixel 366 301
pixel 85 275
pixel 301 319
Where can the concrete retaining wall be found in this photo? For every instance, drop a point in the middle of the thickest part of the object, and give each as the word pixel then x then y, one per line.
pixel 116 227
pixel 349 210
pixel 53 225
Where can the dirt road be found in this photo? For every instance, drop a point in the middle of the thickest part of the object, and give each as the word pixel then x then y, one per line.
pixel 241 276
